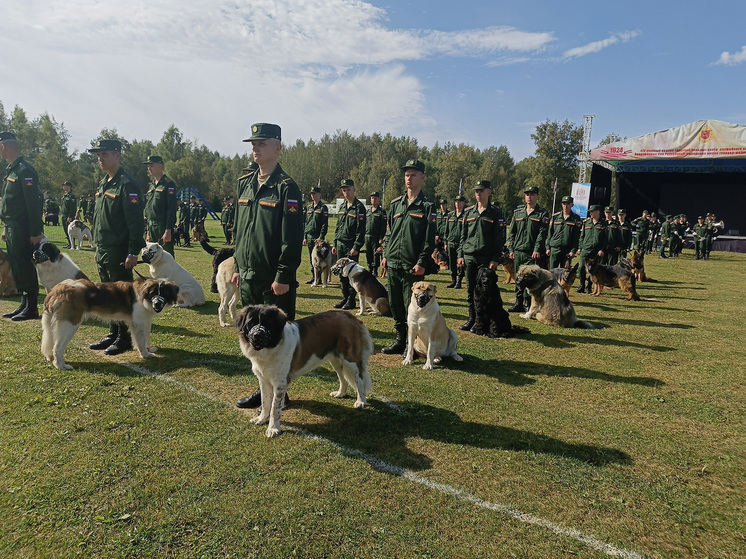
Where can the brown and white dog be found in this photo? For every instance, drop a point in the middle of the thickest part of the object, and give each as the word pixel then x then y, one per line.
pixel 78 232
pixel 72 301
pixel 229 293
pixel 281 350
pixel 54 266
pixel 369 289
pixel 428 334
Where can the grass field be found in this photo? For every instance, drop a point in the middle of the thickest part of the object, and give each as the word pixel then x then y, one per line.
pixel 626 440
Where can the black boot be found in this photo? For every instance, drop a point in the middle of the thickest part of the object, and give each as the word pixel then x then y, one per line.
pixel 19 310
pixel 518 305
pixel 527 303
pixel 31 311
pixel 122 343
pixel 400 344
pixel 107 340
pixel 350 304
pixel 342 303
pixel 453 282
pixel 581 289
pixel 466 326
pixel 253 401
pixel 458 282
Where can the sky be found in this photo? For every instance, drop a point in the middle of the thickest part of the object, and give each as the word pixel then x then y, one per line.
pixel 481 72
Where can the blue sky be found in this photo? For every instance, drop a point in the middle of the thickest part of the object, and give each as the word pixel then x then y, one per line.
pixel 482 72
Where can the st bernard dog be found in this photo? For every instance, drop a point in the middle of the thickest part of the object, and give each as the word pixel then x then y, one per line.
pixel 163 266
pixel 229 293
pixel 369 289
pixel 281 350
pixel 72 301
pixel 428 334
pixel 78 232
pixel 53 266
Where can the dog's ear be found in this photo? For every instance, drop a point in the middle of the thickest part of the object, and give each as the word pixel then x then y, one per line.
pixel 575 268
pixel 434 288
pixel 246 319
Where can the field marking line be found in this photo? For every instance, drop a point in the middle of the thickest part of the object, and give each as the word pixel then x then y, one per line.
pixel 382 466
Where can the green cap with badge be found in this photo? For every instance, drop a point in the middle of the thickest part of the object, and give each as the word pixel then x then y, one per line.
pixel 347 183
pixel 414 164
pixel 316 190
pixel 459 198
pixel 482 184
pixel 7 136
pixel 531 190
pixel 567 200
pixel 153 159
pixel 375 193
pixel 609 209
pixel 106 145
pixel 594 208
pixel 264 131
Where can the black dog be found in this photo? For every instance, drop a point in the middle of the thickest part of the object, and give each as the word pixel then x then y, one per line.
pixel 51 219
pixel 177 235
pixel 218 255
pixel 491 318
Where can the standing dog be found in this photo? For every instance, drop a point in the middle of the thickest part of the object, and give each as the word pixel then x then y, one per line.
pixel 281 350
pixel 369 289
pixel 491 319
pixel 549 302
pixel 72 301
pixel 321 262
pixel 7 281
pixel 229 293
pixel 163 266
pixel 508 266
pixel 218 256
pixel 611 276
pixel 428 334
pixel 79 231
pixel 53 266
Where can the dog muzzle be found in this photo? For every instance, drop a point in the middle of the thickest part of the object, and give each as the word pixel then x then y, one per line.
pixel 39 257
pixel 258 337
pixel 147 256
pixel 422 299
pixel 158 302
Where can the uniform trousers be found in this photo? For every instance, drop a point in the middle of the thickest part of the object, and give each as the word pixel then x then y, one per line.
pixel 259 292
pixel 20 253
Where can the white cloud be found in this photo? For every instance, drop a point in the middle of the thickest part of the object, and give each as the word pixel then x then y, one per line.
pixel 729 59
pixel 597 46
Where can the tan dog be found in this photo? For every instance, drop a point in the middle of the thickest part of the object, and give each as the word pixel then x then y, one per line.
pixel 229 293
pixel 428 334
pixel 549 302
pixel 7 281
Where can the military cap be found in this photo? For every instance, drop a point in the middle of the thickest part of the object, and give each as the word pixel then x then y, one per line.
pixel 709 214
pixel 567 200
pixel 459 198
pixel 483 184
pixel 645 212
pixel 376 193
pixel 531 190
pixel 621 211
pixel 609 209
pixel 713 214
pixel 192 197
pixel 442 201
pixel 106 145
pixel 316 190
pixel 264 131
pixel 347 183
pixel 153 159
pixel 669 216
pixel 594 207
pixel 67 183
pixel 414 164
pixel 7 136
pixel 699 217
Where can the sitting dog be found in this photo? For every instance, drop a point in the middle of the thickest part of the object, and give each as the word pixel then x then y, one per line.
pixel 439 255
pixel 51 218
pixel 507 263
pixel 549 302
pixel 611 276
pixel 229 293
pixel 384 271
pixel 52 266
pixel 321 262
pixel 218 256
pixel 78 232
pixel 368 288
pixel 428 334
pixel 72 301
pixel 7 281
pixel 637 265
pixel 163 266
pixel 281 350
pixel 566 276
pixel 491 319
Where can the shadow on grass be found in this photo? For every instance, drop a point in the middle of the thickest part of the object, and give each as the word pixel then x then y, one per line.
pixel 634 322
pixel 380 432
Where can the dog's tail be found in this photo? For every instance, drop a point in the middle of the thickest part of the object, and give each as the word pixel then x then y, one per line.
pixel 583 324
pixel 205 245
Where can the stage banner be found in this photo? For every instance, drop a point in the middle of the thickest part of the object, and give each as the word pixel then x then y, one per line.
pixel 581 193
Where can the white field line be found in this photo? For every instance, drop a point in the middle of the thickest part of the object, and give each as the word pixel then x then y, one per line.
pixel 504 510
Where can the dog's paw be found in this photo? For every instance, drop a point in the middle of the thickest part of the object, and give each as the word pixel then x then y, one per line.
pixel 457 357
pixel 437 360
pixel 260 420
pixel 337 394
pixel 148 355
pixel 359 404
pixel 407 361
pixel 524 315
pixel 272 432
pixel 153 349
pixel 427 366
pixel 63 366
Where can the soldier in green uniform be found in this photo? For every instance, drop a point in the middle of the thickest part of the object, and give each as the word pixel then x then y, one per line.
pixel 655 227
pixel 592 244
pixel 408 244
pixel 527 235
pixel 199 215
pixel 700 232
pixel 20 210
pixel 681 231
pixel 613 237
pixel 375 231
pixel 185 220
pixel 453 241
pixel 711 232
pixel 625 229
pixel 349 237
pixel 227 217
pixel 642 229
pixel 268 231
pixel 51 208
pixel 118 230
pixel 317 225
pixel 665 235
pixel 482 241
pixel 160 206
pixel 441 221
pixel 68 209
pixel 564 234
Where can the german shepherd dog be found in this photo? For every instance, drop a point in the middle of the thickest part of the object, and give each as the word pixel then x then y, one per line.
pixel 638 267
pixel 549 302
pixel 440 256
pixel 611 276
pixel 565 276
pixel 507 263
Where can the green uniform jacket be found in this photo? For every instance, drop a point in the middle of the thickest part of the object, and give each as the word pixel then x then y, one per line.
pixel 700 231
pixel 482 235
pixel 564 233
pixel 613 234
pixel 625 229
pixel 317 221
pixel 117 217
pixel 227 215
pixel 185 215
pixel 528 233
pixel 350 232
pixel 666 230
pixel 410 239
pixel 69 206
pixel 268 228
pixel 442 223
pixel 453 230
pixel 160 205
pixel 593 236
pixel 375 225
pixel 21 202
pixel 199 214
pixel 643 227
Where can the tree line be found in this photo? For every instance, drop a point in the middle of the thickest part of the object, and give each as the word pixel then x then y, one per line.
pixel 373 161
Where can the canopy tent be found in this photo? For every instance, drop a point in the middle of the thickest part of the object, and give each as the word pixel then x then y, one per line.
pixel 692 169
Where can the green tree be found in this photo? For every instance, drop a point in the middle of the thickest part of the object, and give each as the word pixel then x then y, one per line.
pixel 557 148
